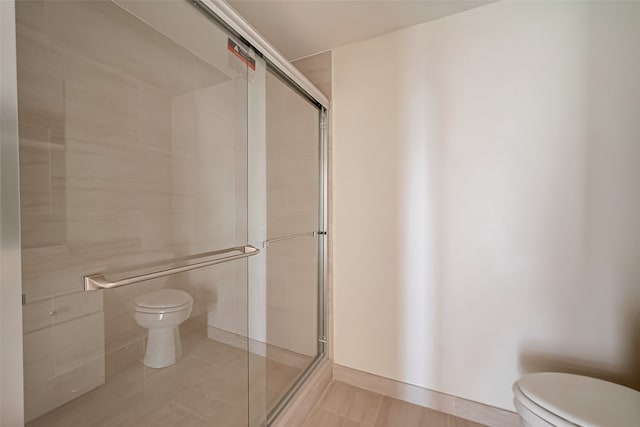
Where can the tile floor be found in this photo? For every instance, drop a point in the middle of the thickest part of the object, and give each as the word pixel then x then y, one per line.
pixel 343 405
pixel 208 387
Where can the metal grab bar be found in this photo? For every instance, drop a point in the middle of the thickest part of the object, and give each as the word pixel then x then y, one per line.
pixel 291 236
pixel 98 281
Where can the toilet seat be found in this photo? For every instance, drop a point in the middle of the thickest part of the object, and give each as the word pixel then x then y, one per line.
pixel 163 301
pixel 569 400
pixel 150 310
pixel 535 414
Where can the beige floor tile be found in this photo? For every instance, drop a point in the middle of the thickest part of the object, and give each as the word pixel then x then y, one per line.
pixel 208 387
pixel 346 422
pixel 161 415
pixel 165 384
pixel 337 398
pixel 217 412
pixel 356 404
pixel 220 356
pixel 280 377
pixel 461 422
pixel 124 394
pixel 364 407
pixel 396 413
pixel 217 388
pixel 431 418
pixel 488 415
pixel 322 418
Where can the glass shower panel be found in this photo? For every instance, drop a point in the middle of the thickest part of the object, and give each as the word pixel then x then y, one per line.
pixel 292 313
pixel 133 158
pixel 292 246
pixel 293 161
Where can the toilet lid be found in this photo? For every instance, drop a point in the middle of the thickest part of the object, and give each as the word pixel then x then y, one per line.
pixel 584 401
pixel 165 298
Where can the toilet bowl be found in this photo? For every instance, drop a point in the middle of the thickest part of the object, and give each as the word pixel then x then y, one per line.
pixel 161 312
pixel 565 400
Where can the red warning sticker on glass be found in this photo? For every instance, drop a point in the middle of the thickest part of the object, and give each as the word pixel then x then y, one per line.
pixel 242 54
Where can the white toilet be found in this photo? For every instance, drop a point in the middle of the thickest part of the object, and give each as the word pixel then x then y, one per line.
pixel 162 312
pixel 555 399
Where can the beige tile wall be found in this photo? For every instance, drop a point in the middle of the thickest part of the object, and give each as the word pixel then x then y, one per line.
pixel 317 68
pixel 129 148
pixel 209 196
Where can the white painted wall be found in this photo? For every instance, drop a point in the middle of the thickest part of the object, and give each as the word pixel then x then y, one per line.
pixel 487 198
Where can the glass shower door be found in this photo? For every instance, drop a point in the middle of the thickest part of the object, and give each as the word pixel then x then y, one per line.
pixel 294 317
pixel 133 158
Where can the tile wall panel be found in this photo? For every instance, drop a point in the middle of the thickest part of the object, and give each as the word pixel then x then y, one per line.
pixel 131 153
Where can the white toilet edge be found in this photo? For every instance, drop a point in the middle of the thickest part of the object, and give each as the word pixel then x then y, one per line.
pixel 528 417
pixel 150 310
pixel 541 413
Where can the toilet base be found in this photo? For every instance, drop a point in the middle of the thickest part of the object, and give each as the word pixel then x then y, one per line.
pixel 163 347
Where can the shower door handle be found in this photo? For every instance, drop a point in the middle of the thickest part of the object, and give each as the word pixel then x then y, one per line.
pixel 97 281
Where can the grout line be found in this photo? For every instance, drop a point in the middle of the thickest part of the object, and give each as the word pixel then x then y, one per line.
pixel 320 399
pixel 375 420
pixel 450 420
pixel 346 406
pixel 190 412
pixel 377 407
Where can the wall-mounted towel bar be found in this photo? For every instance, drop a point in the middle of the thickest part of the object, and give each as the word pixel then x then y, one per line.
pixel 98 281
pixel 292 236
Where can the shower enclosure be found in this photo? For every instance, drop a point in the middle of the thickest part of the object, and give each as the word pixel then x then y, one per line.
pixel 161 149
